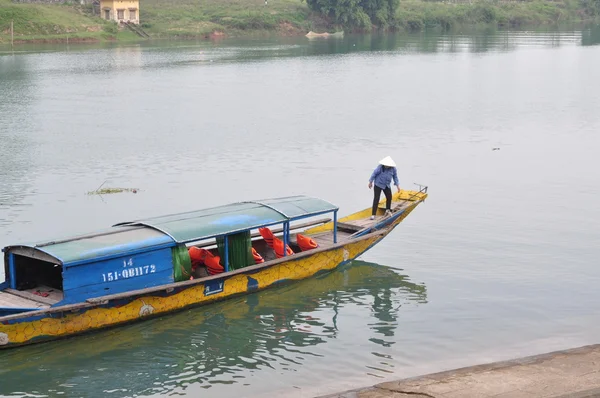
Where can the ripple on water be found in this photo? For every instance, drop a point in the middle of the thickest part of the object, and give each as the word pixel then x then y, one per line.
pixel 497 262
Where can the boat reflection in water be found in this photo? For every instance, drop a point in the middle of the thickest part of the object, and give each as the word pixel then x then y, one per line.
pixel 284 328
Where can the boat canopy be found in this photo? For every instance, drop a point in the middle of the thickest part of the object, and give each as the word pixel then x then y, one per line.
pixel 105 243
pixel 165 231
pixel 236 217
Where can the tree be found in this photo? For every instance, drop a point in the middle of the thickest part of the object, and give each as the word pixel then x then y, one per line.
pixel 592 7
pixel 357 13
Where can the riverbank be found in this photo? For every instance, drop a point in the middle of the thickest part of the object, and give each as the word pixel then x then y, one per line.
pixel 218 18
pixel 571 373
pixel 55 23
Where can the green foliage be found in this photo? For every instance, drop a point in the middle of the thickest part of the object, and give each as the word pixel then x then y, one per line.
pixel 200 18
pixel 252 21
pixel 357 13
pixel 417 15
pixel 35 21
pixel 111 27
pixel 203 17
pixel 107 191
pixel 591 7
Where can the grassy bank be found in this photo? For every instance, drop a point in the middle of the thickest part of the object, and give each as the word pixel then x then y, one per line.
pixel 415 15
pixel 53 23
pixel 206 18
pixel 161 19
pixel 234 17
pixel 239 17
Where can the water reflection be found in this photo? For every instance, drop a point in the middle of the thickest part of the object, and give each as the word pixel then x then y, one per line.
pixel 221 343
pixel 479 41
pixel 488 39
pixel 591 36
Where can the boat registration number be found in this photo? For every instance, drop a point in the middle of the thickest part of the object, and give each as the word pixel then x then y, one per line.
pixel 213 287
pixel 128 271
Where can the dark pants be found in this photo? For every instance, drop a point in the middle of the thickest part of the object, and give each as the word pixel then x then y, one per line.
pixel 388 196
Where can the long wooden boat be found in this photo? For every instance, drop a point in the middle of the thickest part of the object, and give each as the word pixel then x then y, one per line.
pixel 145 268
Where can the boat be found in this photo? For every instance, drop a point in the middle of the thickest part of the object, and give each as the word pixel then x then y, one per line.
pixel 225 339
pixel 140 269
pixel 313 35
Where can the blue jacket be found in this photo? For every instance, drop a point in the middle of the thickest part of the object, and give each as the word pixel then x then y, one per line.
pixel 382 178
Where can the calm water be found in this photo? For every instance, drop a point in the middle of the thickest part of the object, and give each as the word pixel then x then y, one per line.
pixel 500 261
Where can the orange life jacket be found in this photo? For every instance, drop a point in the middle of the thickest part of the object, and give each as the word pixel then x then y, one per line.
pixel 213 265
pixel 278 247
pixel 267 236
pixel 257 257
pixel 274 243
pixel 204 257
pixel 197 256
pixel 305 242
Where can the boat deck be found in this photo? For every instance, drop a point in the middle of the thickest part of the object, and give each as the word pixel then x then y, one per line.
pixel 366 222
pixel 326 239
pixel 348 228
pixel 9 300
pixel 38 297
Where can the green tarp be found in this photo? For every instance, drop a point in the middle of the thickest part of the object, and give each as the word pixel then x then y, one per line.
pixel 240 250
pixel 182 264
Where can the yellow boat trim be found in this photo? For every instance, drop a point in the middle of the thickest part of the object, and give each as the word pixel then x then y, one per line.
pixel 304 267
pixel 398 196
pixel 97 318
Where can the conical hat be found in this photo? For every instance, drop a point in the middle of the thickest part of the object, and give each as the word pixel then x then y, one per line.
pixel 387 161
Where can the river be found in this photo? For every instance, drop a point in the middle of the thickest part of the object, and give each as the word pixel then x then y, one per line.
pixel 500 261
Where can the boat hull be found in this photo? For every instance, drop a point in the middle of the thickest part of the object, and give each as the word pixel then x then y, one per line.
pixel 105 312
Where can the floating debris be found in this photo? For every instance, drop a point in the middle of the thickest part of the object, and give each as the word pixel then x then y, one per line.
pixel 106 191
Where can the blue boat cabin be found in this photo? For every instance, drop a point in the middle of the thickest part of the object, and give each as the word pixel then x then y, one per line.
pixel 156 251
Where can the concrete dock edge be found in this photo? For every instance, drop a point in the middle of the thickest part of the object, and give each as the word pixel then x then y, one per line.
pixel 573 373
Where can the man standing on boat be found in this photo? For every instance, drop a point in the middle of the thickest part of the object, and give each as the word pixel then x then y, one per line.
pixel 382 176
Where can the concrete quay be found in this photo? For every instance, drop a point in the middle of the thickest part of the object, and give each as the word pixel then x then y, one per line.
pixel 573 373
